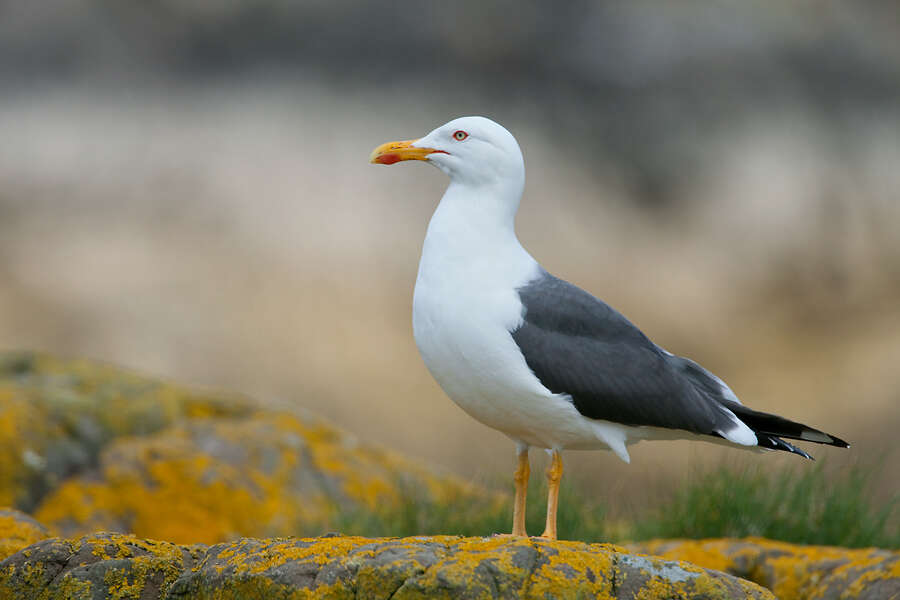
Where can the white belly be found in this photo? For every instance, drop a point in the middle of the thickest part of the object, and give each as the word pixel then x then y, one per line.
pixel 463 336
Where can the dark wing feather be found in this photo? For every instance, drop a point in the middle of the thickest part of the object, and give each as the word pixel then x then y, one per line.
pixel 578 345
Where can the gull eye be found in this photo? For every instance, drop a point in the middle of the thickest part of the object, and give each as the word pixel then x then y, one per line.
pixel 460 135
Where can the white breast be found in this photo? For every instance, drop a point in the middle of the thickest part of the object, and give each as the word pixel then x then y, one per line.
pixel 464 307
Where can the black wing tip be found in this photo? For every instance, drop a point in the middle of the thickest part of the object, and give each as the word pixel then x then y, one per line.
pixel 831 441
pixel 773 442
pixel 806 435
pixel 838 442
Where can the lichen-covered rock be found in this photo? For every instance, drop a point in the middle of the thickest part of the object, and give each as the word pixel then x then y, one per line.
pixel 95 567
pixel 57 415
pixel 792 572
pixel 120 566
pixel 18 530
pixel 210 480
pixel 87 447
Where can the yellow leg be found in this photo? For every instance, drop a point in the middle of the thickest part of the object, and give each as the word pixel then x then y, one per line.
pixel 554 474
pixel 521 479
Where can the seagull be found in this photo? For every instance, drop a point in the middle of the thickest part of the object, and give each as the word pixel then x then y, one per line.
pixel 535 357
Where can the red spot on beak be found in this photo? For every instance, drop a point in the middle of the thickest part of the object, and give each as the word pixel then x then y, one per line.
pixel 388 159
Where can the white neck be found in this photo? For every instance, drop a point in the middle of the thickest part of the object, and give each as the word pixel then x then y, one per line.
pixel 472 237
pixel 471 220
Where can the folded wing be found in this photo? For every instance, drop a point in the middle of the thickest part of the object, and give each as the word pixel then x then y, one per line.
pixel 578 345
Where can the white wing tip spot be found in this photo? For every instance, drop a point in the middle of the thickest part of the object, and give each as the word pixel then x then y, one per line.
pixel 739 433
pixel 816 436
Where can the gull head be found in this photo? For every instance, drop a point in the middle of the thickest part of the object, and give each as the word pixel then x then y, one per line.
pixel 473 151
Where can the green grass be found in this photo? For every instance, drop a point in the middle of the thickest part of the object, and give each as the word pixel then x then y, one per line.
pixel 801 504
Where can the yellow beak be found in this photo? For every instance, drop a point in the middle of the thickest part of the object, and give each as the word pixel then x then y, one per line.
pixel 392 152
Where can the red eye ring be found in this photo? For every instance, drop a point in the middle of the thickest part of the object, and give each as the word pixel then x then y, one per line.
pixel 460 135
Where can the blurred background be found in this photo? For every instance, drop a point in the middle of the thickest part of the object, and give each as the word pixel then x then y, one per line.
pixel 184 190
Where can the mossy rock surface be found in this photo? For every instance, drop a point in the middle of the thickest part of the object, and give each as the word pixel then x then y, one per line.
pixel 791 571
pixel 18 530
pixel 211 480
pixel 122 566
pixel 56 416
pixel 101 566
pixel 89 447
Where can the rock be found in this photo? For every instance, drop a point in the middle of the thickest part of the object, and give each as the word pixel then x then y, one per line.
pixel 211 480
pixel 18 530
pixel 88 447
pixel 792 572
pixel 111 565
pixel 100 566
pixel 57 415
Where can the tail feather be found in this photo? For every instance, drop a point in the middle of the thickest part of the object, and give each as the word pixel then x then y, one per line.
pixel 769 430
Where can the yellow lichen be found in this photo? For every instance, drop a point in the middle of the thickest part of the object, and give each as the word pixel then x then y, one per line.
pixel 279 551
pixel 167 486
pixel 174 497
pixel 571 568
pixel 353 567
pixel 791 571
pixel 46 403
pixel 698 552
pixel 17 532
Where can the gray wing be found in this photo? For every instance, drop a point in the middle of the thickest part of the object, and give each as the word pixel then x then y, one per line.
pixel 578 345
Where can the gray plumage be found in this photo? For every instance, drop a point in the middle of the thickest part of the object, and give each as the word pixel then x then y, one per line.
pixel 578 345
